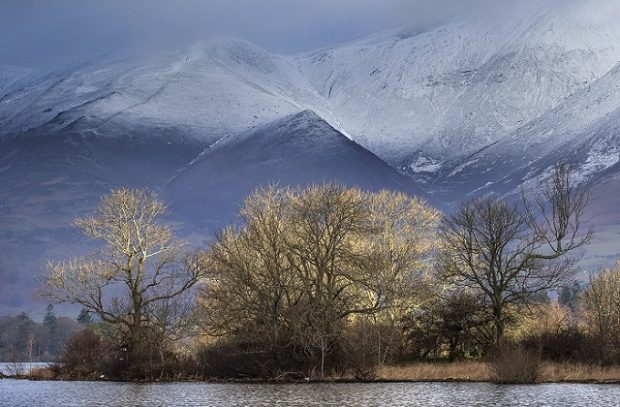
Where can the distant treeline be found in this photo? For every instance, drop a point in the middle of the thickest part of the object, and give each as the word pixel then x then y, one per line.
pixel 334 281
pixel 23 339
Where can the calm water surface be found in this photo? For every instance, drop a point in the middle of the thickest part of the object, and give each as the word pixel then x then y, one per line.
pixel 17 393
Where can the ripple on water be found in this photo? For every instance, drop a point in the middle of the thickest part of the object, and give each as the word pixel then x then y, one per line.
pixel 16 393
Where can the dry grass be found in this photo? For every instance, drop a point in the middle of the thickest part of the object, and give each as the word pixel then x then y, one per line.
pixel 471 371
pixel 43 373
pixel 570 372
pixel 422 372
pixel 464 371
pixel 512 365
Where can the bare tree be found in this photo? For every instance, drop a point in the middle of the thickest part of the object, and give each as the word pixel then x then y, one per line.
pixel 601 308
pixel 308 261
pixel 30 340
pixel 250 276
pixel 509 252
pixel 139 267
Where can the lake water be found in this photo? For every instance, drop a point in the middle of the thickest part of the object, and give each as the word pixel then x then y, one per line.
pixel 19 393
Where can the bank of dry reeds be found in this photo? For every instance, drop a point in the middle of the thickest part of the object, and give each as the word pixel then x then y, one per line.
pixel 514 365
pixel 579 372
pixel 422 372
pixel 463 371
pixel 474 371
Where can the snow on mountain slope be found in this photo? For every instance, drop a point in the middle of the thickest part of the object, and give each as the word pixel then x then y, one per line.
pixel 208 91
pixel 300 149
pixel 414 97
pixel 10 74
pixel 584 130
pixel 460 86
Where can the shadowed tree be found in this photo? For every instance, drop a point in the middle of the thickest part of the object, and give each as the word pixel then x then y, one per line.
pixel 569 295
pixel 509 253
pixel 50 324
pixel 84 317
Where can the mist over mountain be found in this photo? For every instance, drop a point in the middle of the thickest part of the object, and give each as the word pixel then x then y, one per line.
pixel 446 111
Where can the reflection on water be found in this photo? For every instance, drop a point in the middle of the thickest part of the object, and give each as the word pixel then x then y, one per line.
pixel 24 393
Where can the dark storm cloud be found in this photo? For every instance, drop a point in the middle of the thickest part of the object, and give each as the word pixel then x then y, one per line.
pixel 47 32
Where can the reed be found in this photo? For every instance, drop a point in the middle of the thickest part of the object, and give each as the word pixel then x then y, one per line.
pixel 579 373
pixel 476 371
pixel 473 371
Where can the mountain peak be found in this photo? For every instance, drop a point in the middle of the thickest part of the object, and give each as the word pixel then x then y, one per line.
pixel 299 149
pixel 307 114
pixel 306 119
pixel 303 125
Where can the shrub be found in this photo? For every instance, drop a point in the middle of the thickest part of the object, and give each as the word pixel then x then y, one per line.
pixel 559 346
pixel 515 365
pixel 361 349
pixel 86 355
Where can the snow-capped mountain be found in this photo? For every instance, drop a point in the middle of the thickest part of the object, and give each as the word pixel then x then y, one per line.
pixel 203 92
pixel 452 111
pixel 457 87
pixel 583 130
pixel 414 97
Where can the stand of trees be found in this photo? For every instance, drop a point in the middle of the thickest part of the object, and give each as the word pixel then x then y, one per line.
pixel 332 280
pixel 23 339
pixel 312 267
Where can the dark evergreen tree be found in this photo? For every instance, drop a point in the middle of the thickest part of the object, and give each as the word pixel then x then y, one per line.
pixel 84 317
pixel 569 295
pixel 49 320
pixel 53 343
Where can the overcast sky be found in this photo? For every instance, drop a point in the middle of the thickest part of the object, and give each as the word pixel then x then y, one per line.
pixel 42 33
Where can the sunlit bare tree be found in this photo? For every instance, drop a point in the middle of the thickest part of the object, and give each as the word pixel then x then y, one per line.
pixel 140 268
pixel 308 261
pixel 601 310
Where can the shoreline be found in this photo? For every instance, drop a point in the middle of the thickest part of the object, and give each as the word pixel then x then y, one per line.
pixel 456 372
pixel 297 382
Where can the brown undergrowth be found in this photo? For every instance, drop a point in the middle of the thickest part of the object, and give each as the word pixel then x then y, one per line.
pixel 463 371
pixel 457 371
pixel 579 373
pixel 475 371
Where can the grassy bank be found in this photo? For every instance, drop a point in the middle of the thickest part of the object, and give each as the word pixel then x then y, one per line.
pixel 549 372
pixel 568 372
pixel 432 372
pixel 466 371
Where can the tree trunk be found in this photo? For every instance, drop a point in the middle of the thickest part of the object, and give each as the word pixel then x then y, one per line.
pixel 499 325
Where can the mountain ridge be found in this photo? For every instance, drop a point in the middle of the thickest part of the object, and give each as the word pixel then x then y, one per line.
pixel 414 95
pixel 448 112
pixel 297 150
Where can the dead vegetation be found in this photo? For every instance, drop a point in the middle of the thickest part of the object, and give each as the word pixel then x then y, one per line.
pixel 476 371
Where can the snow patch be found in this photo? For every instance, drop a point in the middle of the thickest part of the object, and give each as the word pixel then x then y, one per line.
pixel 426 165
pixel 597 162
